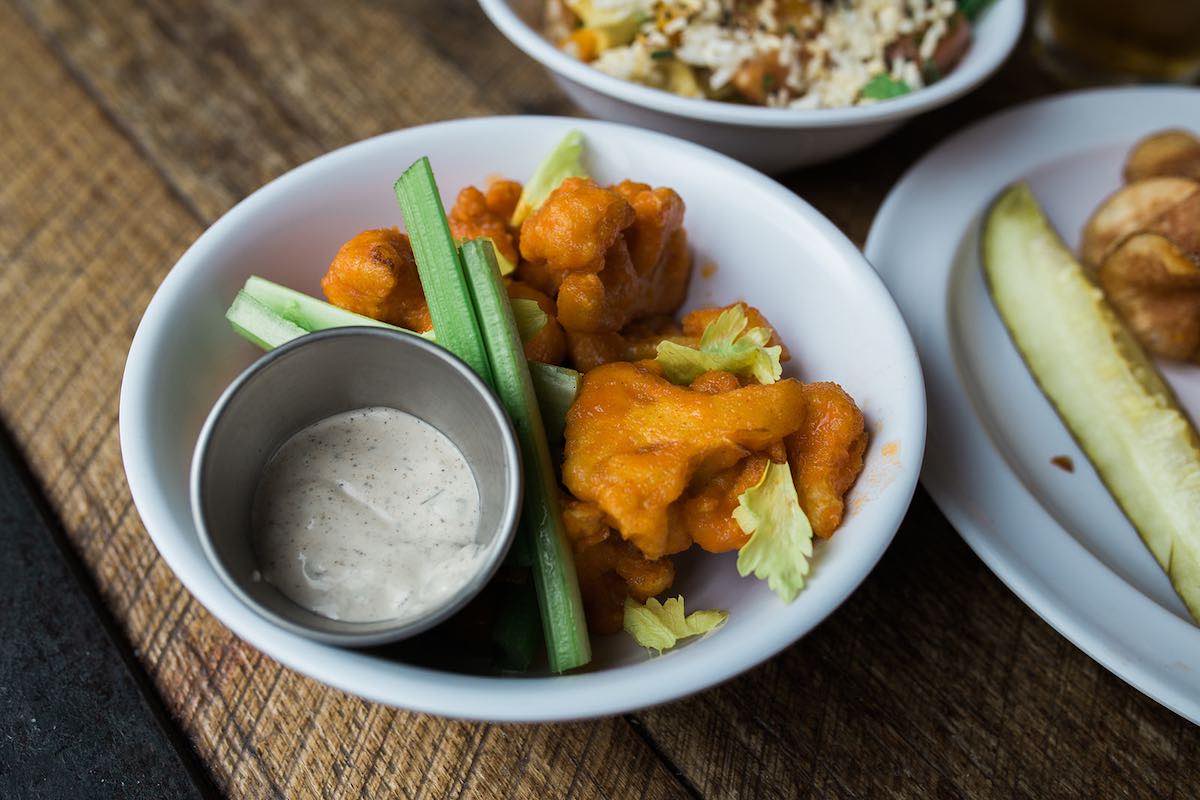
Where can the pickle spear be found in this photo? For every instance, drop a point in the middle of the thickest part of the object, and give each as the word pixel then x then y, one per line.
pixel 1103 385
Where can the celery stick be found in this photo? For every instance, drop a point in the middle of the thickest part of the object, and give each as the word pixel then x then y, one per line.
pixel 567 644
pixel 307 311
pixel 440 269
pixel 515 632
pixel 556 388
pixel 259 324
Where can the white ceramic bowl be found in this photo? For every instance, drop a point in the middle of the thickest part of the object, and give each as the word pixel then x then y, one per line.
pixel 769 247
pixel 771 139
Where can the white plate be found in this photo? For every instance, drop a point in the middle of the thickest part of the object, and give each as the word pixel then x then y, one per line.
pixel 770 248
pixel 1057 539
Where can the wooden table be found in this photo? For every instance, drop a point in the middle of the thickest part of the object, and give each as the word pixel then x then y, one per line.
pixel 128 127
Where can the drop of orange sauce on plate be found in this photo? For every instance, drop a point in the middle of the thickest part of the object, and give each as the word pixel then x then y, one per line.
pixel 1064 463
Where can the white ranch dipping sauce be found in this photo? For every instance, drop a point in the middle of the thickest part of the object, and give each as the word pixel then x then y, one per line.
pixel 367 515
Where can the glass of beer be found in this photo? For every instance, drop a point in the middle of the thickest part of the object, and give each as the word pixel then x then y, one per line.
pixel 1087 42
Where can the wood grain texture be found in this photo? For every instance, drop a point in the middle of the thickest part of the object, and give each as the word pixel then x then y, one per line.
pixel 130 126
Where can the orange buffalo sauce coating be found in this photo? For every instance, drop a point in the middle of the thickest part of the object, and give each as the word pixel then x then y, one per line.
pixel 635 442
pixel 715 381
pixel 502 196
pixel 826 454
pixel 609 255
pixel 374 274
pixel 609 568
pixel 707 513
pixel 573 229
pixel 475 215
pixel 636 342
pixel 658 214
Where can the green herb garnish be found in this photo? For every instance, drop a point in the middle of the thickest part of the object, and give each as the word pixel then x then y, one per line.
pixel 884 87
pixel 972 8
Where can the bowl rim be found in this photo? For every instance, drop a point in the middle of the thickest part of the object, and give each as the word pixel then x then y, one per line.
pixel 1009 18
pixel 572 696
pixel 394 630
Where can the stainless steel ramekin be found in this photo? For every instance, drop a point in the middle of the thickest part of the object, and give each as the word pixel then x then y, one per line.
pixel 314 377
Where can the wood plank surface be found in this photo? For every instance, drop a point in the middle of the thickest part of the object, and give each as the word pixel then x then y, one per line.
pixel 130 126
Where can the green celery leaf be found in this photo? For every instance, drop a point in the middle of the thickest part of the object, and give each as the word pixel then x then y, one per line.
pixel 780 543
pixel 660 626
pixel 564 161
pixel 726 345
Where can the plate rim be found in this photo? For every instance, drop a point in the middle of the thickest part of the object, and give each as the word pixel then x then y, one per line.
pixel 473 697
pixel 1177 689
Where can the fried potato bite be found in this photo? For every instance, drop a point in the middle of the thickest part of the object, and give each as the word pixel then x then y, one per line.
pixel 634 443
pixel 1170 152
pixel 576 225
pixel 375 274
pixel 549 345
pixel 476 215
pixel 1155 287
pixel 1145 205
pixel 826 454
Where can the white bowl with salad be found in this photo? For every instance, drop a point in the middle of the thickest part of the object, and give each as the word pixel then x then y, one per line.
pixel 776 84
pixel 268 265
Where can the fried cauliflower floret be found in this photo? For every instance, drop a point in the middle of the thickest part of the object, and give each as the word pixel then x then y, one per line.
pixel 609 256
pixel 576 225
pixel 658 213
pixel 636 342
pixel 502 196
pixel 696 321
pixel 586 351
pixel 643 335
pixel 609 568
pixel 620 293
pixel 473 217
pixel 707 511
pixel 604 301
pixel 540 276
pixel 826 454
pixel 549 345
pixel 635 442
pixel 715 381
pixel 375 274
